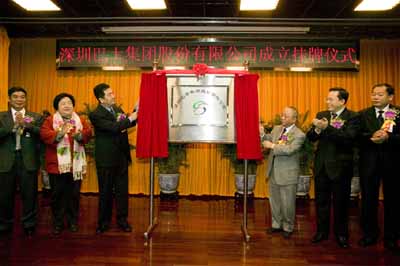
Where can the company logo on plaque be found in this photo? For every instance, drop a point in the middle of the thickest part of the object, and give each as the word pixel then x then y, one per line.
pixel 199 107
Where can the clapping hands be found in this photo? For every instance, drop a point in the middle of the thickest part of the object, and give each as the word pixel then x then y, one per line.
pixel 267 144
pixel 66 128
pixel 19 120
pixel 379 136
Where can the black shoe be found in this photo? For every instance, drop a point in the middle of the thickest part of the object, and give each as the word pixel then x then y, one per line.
pixel 367 241
pixel 29 231
pixel 286 234
pixel 318 237
pixel 273 230
pixel 102 228
pixel 73 228
pixel 57 230
pixel 392 246
pixel 342 241
pixel 125 227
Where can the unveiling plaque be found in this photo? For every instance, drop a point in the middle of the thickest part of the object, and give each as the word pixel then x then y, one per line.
pixel 201 109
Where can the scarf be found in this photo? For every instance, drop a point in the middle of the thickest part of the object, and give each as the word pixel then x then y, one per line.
pixel 64 151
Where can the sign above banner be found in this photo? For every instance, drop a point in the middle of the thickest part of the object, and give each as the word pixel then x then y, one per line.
pixel 126 55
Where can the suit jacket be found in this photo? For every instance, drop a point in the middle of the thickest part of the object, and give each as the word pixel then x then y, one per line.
pixel 284 158
pixel 30 142
pixel 335 147
pixel 111 137
pixel 48 135
pixel 369 151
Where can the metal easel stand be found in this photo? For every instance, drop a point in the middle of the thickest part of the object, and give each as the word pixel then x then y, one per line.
pixel 152 220
pixel 246 235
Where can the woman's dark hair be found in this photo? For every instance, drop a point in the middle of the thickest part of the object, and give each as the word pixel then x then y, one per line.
pixel 60 96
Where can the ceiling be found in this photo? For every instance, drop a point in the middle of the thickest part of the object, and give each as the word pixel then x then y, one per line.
pixel 327 19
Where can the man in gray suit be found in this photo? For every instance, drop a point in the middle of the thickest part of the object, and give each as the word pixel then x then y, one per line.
pixel 284 142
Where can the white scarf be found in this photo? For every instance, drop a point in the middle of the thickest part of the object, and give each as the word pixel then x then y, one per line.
pixel 64 150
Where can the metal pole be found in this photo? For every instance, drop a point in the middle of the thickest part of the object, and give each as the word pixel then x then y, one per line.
pixel 244 225
pixel 152 220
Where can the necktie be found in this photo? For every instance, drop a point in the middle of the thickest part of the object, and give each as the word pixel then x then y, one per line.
pixel 380 117
pixel 112 111
pixel 18 134
pixel 333 115
pixel 283 133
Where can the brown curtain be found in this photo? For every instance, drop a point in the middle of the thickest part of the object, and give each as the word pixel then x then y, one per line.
pixel 4 45
pixel 32 65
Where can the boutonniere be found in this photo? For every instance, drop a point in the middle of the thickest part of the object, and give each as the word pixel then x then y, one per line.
pixel 337 122
pixel 121 116
pixel 285 139
pixel 28 119
pixel 389 116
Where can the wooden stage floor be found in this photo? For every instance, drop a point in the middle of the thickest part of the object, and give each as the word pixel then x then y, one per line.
pixel 191 231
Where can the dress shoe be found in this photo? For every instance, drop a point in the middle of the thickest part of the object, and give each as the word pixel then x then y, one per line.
pixel 273 230
pixel 29 231
pixel 125 227
pixel 286 234
pixel 102 228
pixel 57 230
pixel 73 228
pixel 342 241
pixel 318 237
pixel 367 241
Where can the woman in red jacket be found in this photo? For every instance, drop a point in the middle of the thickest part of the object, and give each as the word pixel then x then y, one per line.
pixel 65 134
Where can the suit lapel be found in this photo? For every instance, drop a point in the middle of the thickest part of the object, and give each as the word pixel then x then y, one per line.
pixel 277 134
pixel 8 120
pixel 104 111
pixel 344 115
pixel 371 119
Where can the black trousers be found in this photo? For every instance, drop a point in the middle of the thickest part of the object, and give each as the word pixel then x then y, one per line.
pixel 370 183
pixel 337 192
pixel 28 190
pixel 113 180
pixel 64 198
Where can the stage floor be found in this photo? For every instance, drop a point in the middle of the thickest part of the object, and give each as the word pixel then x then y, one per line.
pixel 191 231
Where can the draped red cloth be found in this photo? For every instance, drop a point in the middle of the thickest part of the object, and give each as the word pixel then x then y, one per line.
pixel 152 134
pixel 247 119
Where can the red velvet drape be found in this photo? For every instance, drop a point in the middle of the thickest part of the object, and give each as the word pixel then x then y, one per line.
pixel 152 135
pixel 247 117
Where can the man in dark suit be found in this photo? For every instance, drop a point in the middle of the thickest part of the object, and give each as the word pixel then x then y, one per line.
pixel 336 130
pixel 379 155
pixel 19 149
pixel 112 155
